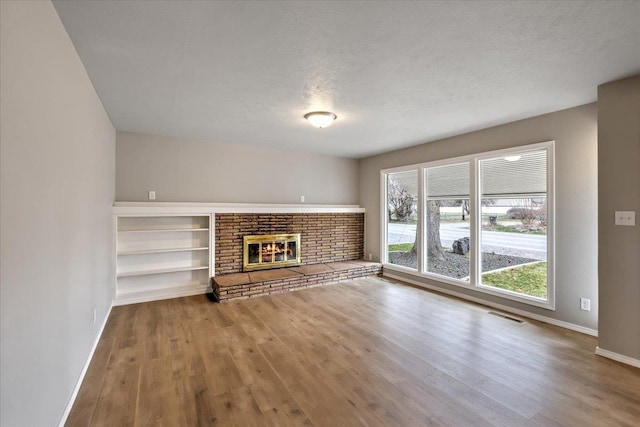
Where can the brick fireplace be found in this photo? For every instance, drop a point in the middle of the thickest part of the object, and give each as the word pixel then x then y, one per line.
pixel 325 237
pixel 331 250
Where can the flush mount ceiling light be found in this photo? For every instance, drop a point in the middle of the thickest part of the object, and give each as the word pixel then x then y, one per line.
pixel 320 119
pixel 512 158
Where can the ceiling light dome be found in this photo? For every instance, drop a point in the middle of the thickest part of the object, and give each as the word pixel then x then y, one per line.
pixel 320 119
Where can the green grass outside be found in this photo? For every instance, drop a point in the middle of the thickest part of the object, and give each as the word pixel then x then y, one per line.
pixel 529 280
pixel 400 247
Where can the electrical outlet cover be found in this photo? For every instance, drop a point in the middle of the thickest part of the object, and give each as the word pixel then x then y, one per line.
pixel 585 304
pixel 627 218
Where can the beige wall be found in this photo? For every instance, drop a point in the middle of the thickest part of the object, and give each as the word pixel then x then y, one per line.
pixel 575 133
pixel 57 177
pixel 182 170
pixel 619 189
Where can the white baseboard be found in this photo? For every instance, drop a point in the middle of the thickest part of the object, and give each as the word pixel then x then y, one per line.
pixel 76 389
pixel 502 307
pixel 618 357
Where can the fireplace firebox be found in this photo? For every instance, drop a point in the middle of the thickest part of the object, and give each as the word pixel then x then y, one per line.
pixel 262 252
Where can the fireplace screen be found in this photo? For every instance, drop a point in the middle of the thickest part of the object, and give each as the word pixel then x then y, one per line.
pixel 271 251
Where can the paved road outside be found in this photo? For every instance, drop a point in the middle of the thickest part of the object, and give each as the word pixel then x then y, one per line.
pixel 518 244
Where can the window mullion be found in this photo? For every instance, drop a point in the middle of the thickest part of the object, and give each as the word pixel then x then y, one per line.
pixel 384 217
pixel 551 211
pixel 475 223
pixel 420 227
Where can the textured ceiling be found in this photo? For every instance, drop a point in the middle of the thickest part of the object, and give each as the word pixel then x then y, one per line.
pixel 396 73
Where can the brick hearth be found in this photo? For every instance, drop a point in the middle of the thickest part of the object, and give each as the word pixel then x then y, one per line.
pixel 245 285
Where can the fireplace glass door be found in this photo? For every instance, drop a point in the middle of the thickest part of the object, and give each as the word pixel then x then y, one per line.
pixel 271 251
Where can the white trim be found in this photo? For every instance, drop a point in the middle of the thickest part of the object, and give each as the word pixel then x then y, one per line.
pixel 76 389
pixel 618 357
pixel 114 258
pixel 176 208
pixel 212 249
pixel 523 313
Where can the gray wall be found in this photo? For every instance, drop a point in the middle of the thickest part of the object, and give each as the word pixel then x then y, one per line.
pixel 575 133
pixel 182 170
pixel 57 177
pixel 619 189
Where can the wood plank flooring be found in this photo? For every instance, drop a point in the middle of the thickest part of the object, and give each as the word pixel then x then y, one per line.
pixel 370 352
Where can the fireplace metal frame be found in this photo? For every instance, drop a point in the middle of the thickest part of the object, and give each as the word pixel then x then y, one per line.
pixel 272 239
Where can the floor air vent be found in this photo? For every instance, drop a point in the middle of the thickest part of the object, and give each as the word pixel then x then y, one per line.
pixel 506 317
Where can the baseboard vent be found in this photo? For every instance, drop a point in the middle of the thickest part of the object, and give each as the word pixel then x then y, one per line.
pixel 506 317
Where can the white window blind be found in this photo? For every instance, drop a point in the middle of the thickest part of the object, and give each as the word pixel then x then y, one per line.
pixel 448 182
pixel 407 180
pixel 524 177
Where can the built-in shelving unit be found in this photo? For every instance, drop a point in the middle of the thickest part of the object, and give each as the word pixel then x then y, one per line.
pixel 162 256
pixel 166 249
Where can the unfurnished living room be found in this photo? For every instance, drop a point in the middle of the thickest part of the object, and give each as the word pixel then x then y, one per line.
pixel 319 213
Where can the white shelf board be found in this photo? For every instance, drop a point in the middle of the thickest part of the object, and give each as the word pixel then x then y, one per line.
pixel 183 290
pixel 160 271
pixel 161 230
pixel 185 208
pixel 159 251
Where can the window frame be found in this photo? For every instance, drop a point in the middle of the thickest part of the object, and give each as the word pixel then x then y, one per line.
pixel 384 216
pixel 475 195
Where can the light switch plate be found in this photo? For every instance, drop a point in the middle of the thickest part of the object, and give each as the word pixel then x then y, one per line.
pixel 626 218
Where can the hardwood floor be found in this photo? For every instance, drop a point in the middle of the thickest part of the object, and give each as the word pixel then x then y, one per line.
pixel 368 352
